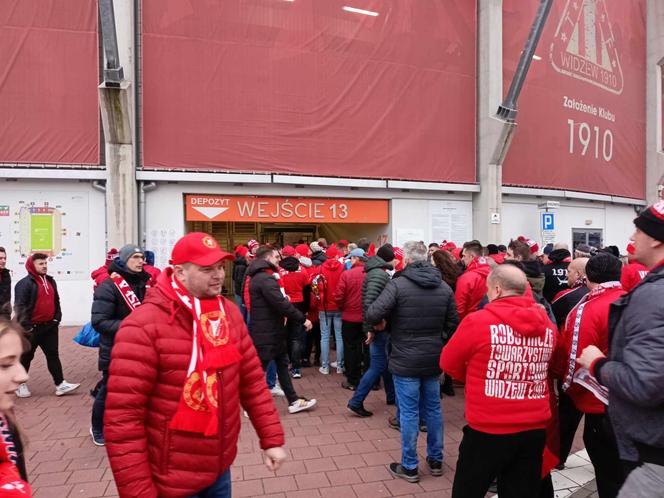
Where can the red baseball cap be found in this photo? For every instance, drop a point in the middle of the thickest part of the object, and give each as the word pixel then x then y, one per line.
pixel 198 248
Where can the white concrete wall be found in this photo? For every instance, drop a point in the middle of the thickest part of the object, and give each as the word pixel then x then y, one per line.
pixel 522 217
pixel 75 290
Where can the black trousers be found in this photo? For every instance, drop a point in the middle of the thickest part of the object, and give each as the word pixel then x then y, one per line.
pixel 283 375
pixel 354 351
pixel 515 458
pixel 296 339
pixel 45 336
pixel 569 419
pixel 603 452
pixel 99 405
pixel 313 343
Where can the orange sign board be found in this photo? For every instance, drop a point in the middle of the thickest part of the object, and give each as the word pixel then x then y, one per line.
pixel 203 207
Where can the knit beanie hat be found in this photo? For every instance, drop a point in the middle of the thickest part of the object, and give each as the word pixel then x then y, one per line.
pixel 315 247
pixel 128 251
pixel 603 267
pixel 302 250
pixel 651 221
pixel 288 251
pixel 111 254
pixel 386 253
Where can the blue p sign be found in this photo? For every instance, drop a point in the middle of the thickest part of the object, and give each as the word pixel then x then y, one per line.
pixel 548 221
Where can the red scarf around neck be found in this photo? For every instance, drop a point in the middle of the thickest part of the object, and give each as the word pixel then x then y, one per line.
pixel 212 350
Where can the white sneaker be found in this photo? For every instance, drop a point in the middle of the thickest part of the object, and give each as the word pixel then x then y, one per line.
pixel 324 370
pixel 65 388
pixel 23 391
pixel 244 412
pixel 277 391
pixel 301 405
pixel 334 364
pixel 341 370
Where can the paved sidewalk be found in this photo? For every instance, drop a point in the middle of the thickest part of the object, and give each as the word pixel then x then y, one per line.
pixel 331 451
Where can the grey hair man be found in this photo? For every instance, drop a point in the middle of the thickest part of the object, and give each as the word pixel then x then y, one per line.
pixel 423 316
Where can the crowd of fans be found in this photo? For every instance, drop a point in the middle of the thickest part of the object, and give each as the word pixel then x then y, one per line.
pixel 540 339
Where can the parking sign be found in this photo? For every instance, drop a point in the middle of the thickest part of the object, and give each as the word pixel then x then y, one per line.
pixel 548 221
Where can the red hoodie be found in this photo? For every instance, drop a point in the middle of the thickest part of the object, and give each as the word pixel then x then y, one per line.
pixel 593 330
pixel 44 310
pixel 331 271
pixel 99 275
pixel 503 352
pixel 471 287
pixel 632 274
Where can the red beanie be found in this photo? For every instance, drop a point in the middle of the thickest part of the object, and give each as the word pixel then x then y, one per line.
pixel 288 251
pixel 303 250
pixel 331 252
pixel 534 248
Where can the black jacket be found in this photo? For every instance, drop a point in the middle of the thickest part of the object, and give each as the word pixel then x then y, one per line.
pixel 534 271
pixel 634 372
pixel 109 308
pixel 269 306
pixel 555 274
pixel 374 283
pixel 25 297
pixel 318 259
pixel 239 270
pixel 564 304
pixel 423 316
pixel 5 293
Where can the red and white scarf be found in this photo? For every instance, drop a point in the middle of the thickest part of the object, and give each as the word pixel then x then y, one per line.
pixel 571 365
pixel 212 350
pixel 126 291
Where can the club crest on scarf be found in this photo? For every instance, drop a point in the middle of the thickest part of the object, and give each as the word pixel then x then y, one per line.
pixel 212 350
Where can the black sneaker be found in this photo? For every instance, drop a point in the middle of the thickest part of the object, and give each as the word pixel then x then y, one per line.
pixel 423 427
pixel 97 438
pixel 393 422
pixel 347 385
pixel 359 410
pixel 409 475
pixel 435 467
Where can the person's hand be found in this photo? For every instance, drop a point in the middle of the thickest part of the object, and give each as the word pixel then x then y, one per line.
pixel 370 338
pixel 274 457
pixel 307 325
pixel 380 325
pixel 590 354
pixel 114 275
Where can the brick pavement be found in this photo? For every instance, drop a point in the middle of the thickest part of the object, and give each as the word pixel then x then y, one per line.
pixel 331 452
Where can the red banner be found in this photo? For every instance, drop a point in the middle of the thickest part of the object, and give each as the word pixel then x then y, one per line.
pixel 581 122
pixel 202 207
pixel 385 89
pixel 49 73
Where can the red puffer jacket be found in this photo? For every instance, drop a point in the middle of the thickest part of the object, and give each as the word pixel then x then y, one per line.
pixel 148 369
pixel 348 294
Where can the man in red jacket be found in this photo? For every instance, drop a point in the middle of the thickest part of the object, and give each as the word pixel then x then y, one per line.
pixel 586 325
pixel 181 366
pixel 471 286
pixel 348 296
pixel 502 352
pixel 633 272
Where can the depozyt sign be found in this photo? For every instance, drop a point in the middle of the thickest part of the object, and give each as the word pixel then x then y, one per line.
pixel 202 207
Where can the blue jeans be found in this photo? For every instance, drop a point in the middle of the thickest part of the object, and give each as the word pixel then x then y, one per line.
pixel 243 308
pixel 409 392
pixel 377 369
pixel 327 320
pixel 271 375
pixel 221 488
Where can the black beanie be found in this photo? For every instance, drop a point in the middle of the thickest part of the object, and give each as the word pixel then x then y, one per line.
pixel 603 267
pixel 651 221
pixel 386 253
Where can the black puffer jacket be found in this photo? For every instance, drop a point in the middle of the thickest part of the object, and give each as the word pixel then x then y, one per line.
pixel 109 308
pixel 423 316
pixel 374 283
pixel 318 259
pixel 5 293
pixel 555 273
pixel 269 306
pixel 239 270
